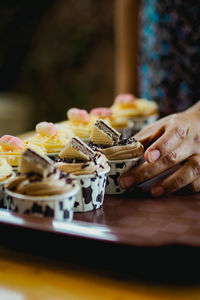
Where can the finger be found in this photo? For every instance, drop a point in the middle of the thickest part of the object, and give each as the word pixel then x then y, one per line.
pixel 148 171
pixel 195 185
pixel 169 141
pixel 188 173
pixel 150 133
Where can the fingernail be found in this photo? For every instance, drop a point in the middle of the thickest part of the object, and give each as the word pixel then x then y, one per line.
pixel 127 181
pixel 153 155
pixel 157 191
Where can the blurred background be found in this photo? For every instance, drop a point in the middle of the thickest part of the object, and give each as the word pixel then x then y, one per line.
pixel 58 54
pixel 55 54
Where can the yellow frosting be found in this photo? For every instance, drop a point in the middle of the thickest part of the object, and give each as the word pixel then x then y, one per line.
pixel 82 130
pixel 120 123
pixel 138 108
pixel 5 169
pixel 52 144
pixel 13 156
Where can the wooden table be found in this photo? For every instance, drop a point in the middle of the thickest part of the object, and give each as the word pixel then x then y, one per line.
pixel 24 276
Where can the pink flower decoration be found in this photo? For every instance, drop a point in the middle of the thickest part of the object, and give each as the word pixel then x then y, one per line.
pixel 78 115
pixel 101 112
pixel 125 99
pixel 11 142
pixel 46 129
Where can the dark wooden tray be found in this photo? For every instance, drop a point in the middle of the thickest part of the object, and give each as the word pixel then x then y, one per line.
pixel 134 220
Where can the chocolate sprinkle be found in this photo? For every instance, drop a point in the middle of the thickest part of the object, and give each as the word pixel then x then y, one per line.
pixel 69 180
pixel 85 166
pixel 122 142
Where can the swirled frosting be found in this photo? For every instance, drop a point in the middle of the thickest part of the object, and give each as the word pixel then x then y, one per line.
pixel 5 169
pixel 133 150
pixel 51 143
pixel 13 156
pixel 96 165
pixel 39 177
pixel 124 149
pixel 36 185
pixel 81 130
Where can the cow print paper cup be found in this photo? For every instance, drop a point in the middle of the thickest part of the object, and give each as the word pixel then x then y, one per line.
pixel 3 195
pixel 59 207
pixel 92 190
pixel 117 168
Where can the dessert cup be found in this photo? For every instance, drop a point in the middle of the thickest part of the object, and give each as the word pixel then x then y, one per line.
pixel 11 149
pixel 59 207
pixel 50 137
pixel 117 168
pixel 3 195
pixel 89 168
pixel 79 122
pixel 141 111
pixel 92 190
pixel 122 153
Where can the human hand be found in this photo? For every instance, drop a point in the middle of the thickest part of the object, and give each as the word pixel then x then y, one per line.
pixel 170 141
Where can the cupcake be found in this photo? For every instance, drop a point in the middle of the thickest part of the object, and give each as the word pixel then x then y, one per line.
pixel 121 124
pixel 90 169
pixel 12 147
pixel 140 111
pixel 122 154
pixel 48 136
pixel 6 173
pixel 79 122
pixel 40 189
pixel 103 113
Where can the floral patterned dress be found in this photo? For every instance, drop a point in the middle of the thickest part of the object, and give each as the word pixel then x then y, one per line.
pixel 169 58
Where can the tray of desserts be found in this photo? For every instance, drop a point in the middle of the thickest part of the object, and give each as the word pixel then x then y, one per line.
pixel 64 179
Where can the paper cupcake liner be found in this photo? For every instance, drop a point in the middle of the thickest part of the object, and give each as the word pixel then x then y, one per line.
pixel 117 168
pixel 141 122
pixel 3 195
pixel 59 207
pixel 91 193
